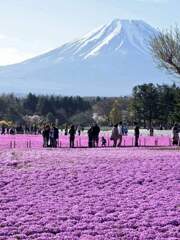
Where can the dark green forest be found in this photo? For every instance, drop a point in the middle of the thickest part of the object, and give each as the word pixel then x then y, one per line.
pixel 149 104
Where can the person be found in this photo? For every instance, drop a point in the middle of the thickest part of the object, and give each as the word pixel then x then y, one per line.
pixel 12 131
pixel 35 130
pixel 115 135
pixel 125 130
pixel 43 135
pixel 72 133
pixel 39 131
pixel 46 135
pixel 79 130
pixel 31 129
pixel 3 130
pixel 136 134
pixel 7 130
pixel 120 131
pixel 54 136
pixel 96 131
pixel 66 130
pixel 90 137
pixel 175 134
pixel 103 141
pixel 26 129
pixel 19 129
pixel 151 130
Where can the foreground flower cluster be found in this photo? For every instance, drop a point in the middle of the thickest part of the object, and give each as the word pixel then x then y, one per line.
pixel 89 194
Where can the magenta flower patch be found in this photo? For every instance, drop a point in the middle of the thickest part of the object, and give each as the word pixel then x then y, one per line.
pixel 89 194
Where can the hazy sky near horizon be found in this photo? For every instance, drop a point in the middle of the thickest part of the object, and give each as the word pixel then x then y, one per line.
pixel 32 27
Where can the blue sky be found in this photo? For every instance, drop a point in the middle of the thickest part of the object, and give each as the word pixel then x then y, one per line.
pixel 32 27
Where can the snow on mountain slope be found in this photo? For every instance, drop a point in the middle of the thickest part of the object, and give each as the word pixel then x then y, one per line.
pixel 108 61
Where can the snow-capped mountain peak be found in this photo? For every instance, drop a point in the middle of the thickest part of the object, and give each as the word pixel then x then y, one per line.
pixel 118 35
pixel 108 61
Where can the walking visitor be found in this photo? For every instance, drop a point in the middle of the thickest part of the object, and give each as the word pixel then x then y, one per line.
pixel 79 130
pixel 66 130
pixel 103 141
pixel 96 131
pixel 136 134
pixel 72 133
pixel 54 136
pixel 3 130
pixel 115 135
pixel 120 131
pixel 176 135
pixel 46 136
pixel 125 130
pixel 90 137
pixel 151 131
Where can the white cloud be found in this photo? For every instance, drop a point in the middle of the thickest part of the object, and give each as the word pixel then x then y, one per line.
pixel 2 37
pixel 13 50
pixel 12 55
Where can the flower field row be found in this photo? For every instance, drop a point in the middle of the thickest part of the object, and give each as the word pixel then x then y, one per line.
pixel 35 141
pixel 89 194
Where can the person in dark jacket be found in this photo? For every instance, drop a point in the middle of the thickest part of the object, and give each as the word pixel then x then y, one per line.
pixel 3 130
pixel 46 135
pixel 96 131
pixel 175 131
pixel 72 133
pixel 66 130
pixel 54 136
pixel 12 131
pixel 90 137
pixel 136 134
pixel 103 141
pixel 151 131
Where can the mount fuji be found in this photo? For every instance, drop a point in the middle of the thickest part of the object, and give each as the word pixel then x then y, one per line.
pixel 108 61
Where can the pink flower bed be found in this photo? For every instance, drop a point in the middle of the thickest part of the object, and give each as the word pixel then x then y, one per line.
pixel 36 141
pixel 89 194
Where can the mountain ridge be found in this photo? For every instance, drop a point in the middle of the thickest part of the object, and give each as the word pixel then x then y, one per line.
pixel 111 57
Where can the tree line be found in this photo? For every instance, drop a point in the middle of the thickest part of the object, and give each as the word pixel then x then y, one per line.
pixel 38 109
pixel 149 105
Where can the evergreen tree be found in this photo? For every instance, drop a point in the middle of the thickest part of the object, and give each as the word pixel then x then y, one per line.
pixel 115 114
pixel 30 103
pixel 145 103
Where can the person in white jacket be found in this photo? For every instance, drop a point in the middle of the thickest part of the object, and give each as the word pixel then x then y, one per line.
pixel 120 131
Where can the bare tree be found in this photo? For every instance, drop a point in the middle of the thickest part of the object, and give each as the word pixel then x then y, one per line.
pixel 165 47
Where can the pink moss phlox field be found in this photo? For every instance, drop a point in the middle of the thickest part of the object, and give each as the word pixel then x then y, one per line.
pixel 36 141
pixel 89 194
